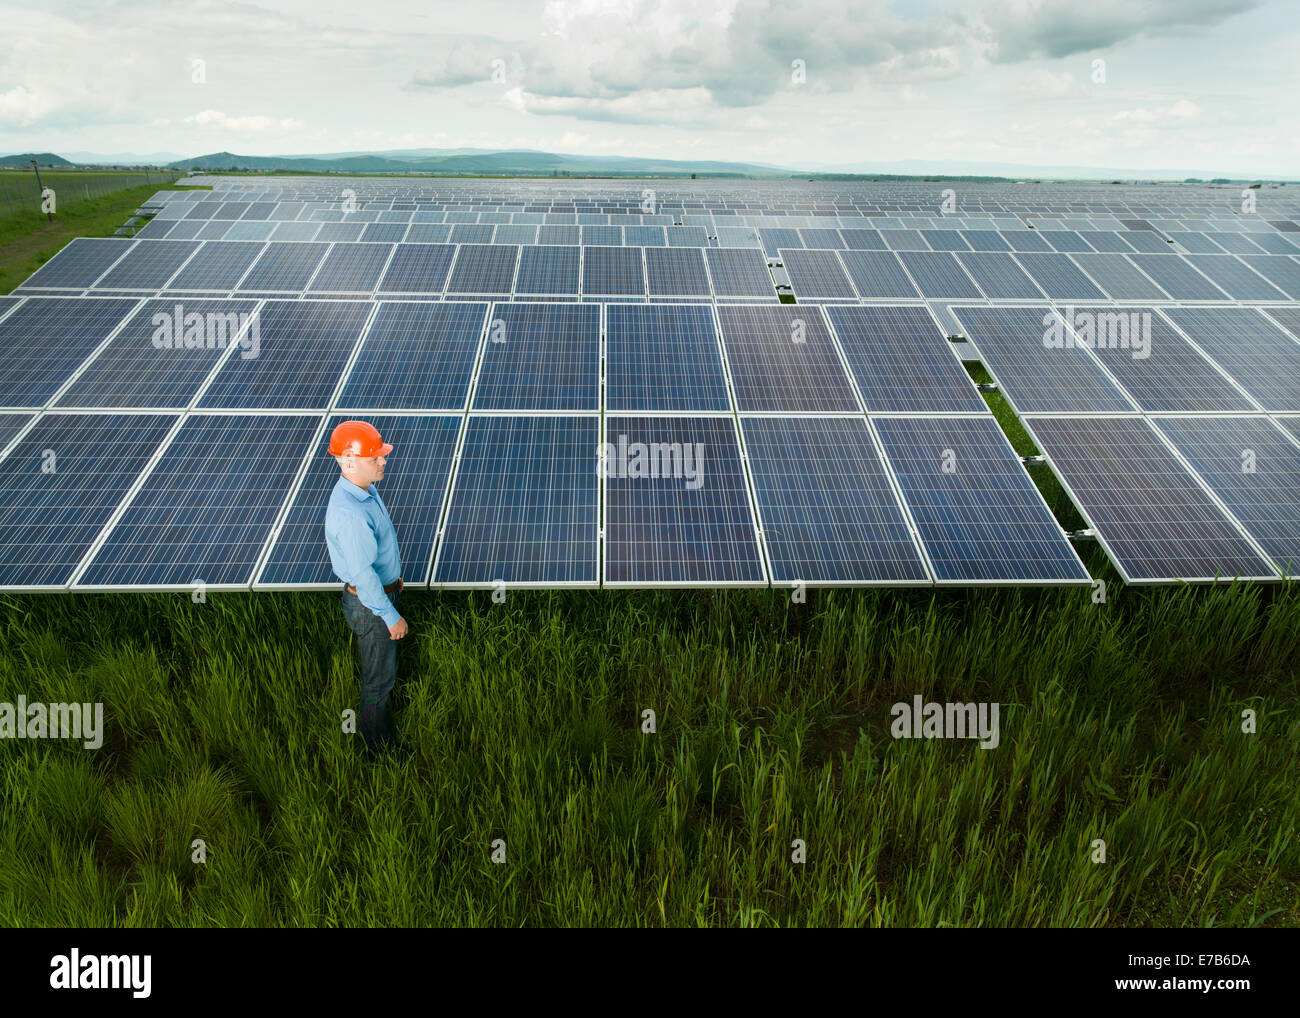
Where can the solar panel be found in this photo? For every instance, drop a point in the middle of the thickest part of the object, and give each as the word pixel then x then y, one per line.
pixel 416 356
pixel 1235 243
pixel 206 509
pixel 471 233
pixel 47 338
pixel 783 360
pixel 524 506
pixel 1274 244
pixel 1147 241
pixel 938 274
pixel 1195 242
pixel 1234 277
pixel 904 240
pixel 284 267
pixel 828 511
pixel 1065 240
pixel 731 236
pixel 414 484
pixel 1255 472
pixel 348 233
pixel 162 355
pixel 1025 240
pixel 1282 272
pixel 663 357
pixel 541 357
pixel 686 236
pixel 484 268
pixel 292 233
pixel 1262 358
pixel 1105 240
pixel 59 488
pixel 148 265
pixel 821 238
pixel 218 265
pixel 902 361
pixel 352 268
pixel 877 275
pixel 1177 277
pixel 549 270
pixel 980 517
pixel 1059 277
pixel 568 235
pixel 1156 523
pixel 677 507
pixel 79 264
pixel 676 271
pixel 381 233
pixel 945 240
pixel 418 268
pixel 1000 276
pixel 7 303
pixel 739 272
pixel 240 231
pixel 1160 369
pixel 1119 277
pixel 775 239
pixel 644 236
pixel 613 271
pixel 816 275
pixel 1036 368
pixel 985 240
pixel 294 362
pixel 593 236
pixel 10 425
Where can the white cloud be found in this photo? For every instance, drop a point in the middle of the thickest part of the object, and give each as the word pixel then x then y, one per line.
pixel 255 124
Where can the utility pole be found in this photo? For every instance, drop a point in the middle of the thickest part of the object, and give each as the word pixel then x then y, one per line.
pixel 41 187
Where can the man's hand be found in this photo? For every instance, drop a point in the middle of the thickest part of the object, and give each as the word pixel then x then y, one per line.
pixel 397 630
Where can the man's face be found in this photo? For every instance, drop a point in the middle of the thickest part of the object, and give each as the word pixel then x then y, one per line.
pixel 366 469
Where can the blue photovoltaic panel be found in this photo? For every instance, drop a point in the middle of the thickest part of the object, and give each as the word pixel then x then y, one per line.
pixel 980 517
pixel 1274 244
pixel 1177 277
pixel 515 235
pixel 413 486
pixel 471 233
pixel 687 236
pixel 731 236
pixel 986 240
pixel 50 518
pixel 416 356
pixel 663 357
pixel 541 357
pixel 483 268
pixel 1235 243
pixel 352 268
pixel 284 266
pixel 877 275
pixel 550 270
pixel 79 264
pixel 1155 521
pixel 1014 345
pixel 815 275
pixel 938 274
pixel 863 239
pixel 1160 369
pixel 1262 358
pixel 148 265
pixel 417 268
pixel 348 233
pixel 301 348
pixel 202 514
pixel 1265 498
pixel 162 355
pixel 1235 277
pixel 611 236
pixel 1059 277
pixel 676 271
pixel 644 236
pixel 525 503
pixel 6 303
pixel 1000 276
pixel 1065 240
pixel 1195 242
pixel 829 513
pixel 613 271
pixel 677 507
pixel 1282 272
pixel 238 231
pixel 774 240
pixel 902 361
pixel 46 340
pixel 1148 241
pixel 739 272
pixel 1106 240
pixel 945 240
pixel 568 235
pixel 219 265
pixel 904 240
pixel 1025 240
pixel 1119 277
pixel 783 360
pixel 380 233
pixel 820 238
pixel 10 425
pixel 296 232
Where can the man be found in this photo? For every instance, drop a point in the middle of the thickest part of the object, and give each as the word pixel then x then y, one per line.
pixel 363 551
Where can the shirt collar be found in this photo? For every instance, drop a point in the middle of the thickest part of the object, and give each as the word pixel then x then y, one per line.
pixel 360 494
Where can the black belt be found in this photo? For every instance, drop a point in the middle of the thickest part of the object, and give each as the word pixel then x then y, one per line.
pixel 395 585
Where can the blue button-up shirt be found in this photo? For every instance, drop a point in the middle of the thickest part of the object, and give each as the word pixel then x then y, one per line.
pixel 363 545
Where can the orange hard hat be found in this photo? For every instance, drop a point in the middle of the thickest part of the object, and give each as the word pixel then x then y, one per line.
pixel 357 438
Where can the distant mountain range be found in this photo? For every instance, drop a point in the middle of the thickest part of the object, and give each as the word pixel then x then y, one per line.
pixel 42 159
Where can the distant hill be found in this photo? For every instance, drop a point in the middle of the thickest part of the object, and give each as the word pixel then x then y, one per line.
pixel 510 163
pixel 42 159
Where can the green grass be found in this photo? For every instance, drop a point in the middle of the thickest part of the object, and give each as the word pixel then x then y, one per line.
pixel 1119 721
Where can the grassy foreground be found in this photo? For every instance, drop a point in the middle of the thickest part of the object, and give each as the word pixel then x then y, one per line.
pixel 1119 721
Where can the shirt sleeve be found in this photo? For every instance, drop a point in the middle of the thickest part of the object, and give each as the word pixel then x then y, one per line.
pixel 357 544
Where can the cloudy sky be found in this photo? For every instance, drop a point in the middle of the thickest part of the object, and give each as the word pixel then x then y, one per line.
pixel 1139 84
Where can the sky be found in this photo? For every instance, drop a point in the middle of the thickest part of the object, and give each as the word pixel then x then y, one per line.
pixel 1139 84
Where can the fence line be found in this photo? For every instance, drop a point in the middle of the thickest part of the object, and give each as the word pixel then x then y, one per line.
pixel 19 196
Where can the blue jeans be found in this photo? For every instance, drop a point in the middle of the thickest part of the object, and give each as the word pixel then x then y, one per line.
pixel 378 668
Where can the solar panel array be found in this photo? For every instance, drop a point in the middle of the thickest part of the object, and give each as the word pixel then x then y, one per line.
pixel 584 392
